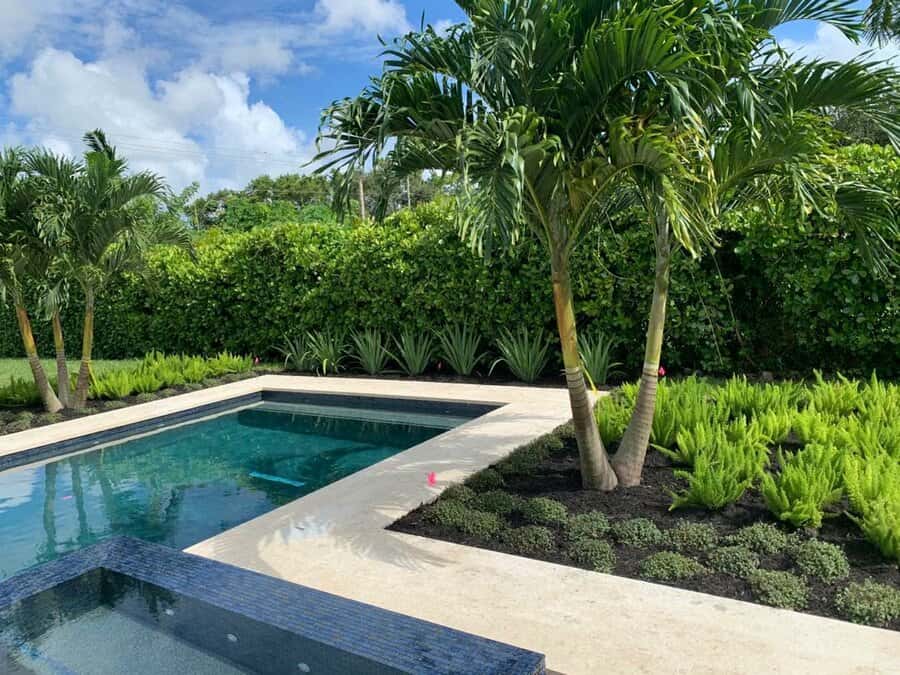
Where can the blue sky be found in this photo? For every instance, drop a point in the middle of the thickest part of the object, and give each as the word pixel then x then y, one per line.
pixel 214 91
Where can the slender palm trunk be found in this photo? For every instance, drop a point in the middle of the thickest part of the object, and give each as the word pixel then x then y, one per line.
pixel 362 197
pixel 62 367
pixel 629 460
pixel 48 397
pixel 87 346
pixel 596 472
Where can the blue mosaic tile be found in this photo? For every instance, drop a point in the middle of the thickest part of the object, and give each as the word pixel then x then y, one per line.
pixel 358 630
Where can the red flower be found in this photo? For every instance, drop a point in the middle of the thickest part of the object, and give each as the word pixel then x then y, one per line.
pixel 662 371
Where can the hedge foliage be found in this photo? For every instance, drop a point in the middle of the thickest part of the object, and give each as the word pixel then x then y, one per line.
pixel 791 296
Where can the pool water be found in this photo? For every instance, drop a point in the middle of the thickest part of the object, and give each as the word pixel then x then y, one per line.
pixel 105 623
pixel 188 483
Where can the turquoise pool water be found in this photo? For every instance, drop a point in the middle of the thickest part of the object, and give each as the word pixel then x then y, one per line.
pixel 188 483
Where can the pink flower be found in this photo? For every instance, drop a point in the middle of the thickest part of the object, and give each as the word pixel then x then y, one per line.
pixel 256 361
pixel 432 479
pixel 662 371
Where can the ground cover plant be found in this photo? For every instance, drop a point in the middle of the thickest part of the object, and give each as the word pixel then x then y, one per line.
pixel 813 526
pixel 115 384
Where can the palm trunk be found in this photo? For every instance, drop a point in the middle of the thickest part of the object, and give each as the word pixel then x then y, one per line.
pixel 87 346
pixel 48 397
pixel 596 472
pixel 629 460
pixel 62 367
pixel 362 197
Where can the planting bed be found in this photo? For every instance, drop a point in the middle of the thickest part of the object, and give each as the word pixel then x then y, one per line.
pixel 21 418
pixel 557 478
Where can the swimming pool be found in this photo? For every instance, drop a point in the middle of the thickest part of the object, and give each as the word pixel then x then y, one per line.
pixel 186 483
pixel 127 606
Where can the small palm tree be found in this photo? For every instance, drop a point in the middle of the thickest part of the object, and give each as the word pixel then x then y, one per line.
pixel 542 109
pixel 882 20
pixel 22 256
pixel 87 212
pixel 767 141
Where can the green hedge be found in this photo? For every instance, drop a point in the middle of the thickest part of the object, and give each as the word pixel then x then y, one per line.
pixel 772 298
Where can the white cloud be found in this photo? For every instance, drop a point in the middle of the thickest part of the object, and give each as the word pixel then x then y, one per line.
pixel 171 86
pixel 829 43
pixel 387 16
pixel 197 126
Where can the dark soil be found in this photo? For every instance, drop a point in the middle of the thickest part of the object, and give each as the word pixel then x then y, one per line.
pixel 559 479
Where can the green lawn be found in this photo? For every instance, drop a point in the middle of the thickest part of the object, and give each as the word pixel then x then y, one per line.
pixel 19 367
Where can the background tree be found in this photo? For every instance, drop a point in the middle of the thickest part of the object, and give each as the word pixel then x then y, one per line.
pixel 542 109
pixel 91 214
pixel 23 256
pixel 882 20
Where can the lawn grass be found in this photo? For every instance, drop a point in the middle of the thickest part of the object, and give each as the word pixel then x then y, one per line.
pixel 18 368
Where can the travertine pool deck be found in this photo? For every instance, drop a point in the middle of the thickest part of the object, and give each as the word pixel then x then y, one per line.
pixel 586 623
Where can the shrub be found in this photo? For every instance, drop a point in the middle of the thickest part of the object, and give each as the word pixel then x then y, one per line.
pixel 49 418
pixel 19 392
pixel 370 350
pixel 591 525
pixel 779 589
pixel 497 501
pixel 524 352
pixel 869 603
pixel 526 459
pixel 415 352
pixel 145 398
pixel 19 425
pixel 612 414
pixel 446 512
pixel 775 425
pixel 737 561
pixel 809 481
pixel 114 405
pixel 328 350
pixel 637 532
pixel 460 348
pixel 881 526
pixel 595 349
pixel 679 405
pixel 459 493
pixel 544 511
pixel 687 536
pixel 593 554
pixel 487 479
pixel 297 354
pixel 721 475
pixel 670 566
pixel 481 524
pixel 821 560
pixel 455 514
pixel 763 538
pixel 528 539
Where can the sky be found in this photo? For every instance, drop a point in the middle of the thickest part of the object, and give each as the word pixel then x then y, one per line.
pixel 214 91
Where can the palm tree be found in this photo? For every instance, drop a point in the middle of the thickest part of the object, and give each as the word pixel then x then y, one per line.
pixel 767 141
pixel 541 108
pixel 882 21
pixel 87 211
pixel 23 255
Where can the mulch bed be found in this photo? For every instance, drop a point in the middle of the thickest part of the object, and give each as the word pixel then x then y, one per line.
pixel 558 478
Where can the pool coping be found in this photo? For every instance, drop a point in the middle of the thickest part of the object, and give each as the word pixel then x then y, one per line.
pixel 378 635
pixel 335 540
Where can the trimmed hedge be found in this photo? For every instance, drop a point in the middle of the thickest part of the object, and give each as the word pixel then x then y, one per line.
pixel 797 299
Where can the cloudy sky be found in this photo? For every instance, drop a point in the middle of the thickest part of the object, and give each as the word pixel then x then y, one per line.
pixel 215 91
